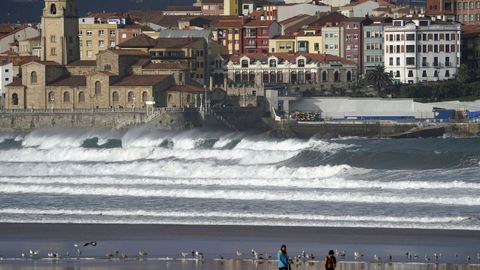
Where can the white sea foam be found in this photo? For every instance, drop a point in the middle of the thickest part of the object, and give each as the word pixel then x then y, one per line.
pixel 244 195
pixel 318 183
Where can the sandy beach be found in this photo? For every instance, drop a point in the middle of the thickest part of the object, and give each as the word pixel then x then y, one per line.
pixel 162 241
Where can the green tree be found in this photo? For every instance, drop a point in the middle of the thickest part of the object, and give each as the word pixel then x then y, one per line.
pixel 378 78
pixel 463 74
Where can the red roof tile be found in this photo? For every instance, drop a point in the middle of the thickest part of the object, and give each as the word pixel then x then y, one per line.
pixel 83 63
pixel 128 52
pixel 186 88
pixel 70 81
pixel 142 80
pixel 16 82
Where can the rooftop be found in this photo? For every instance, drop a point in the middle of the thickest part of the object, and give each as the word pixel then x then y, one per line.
pixel 141 80
pixel 320 58
pixel 70 81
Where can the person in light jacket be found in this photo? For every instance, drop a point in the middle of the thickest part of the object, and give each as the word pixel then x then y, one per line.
pixel 282 257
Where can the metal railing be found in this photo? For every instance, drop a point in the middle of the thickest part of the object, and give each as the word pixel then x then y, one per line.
pixel 94 111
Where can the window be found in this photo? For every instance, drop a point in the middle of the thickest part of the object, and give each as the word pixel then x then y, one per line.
pixel 410 61
pixel 107 67
pixel 170 98
pixel 89 33
pixel 14 99
pixel 52 39
pixel 301 63
pixel 390 62
pixel 124 35
pixel 189 98
pixel 316 47
pixel 51 97
pixel 244 63
pixel 410 48
pixel 112 33
pixel 336 76
pixel 53 9
pixel 435 61
pixel 435 74
pixel 324 76
pixel 101 33
pixel 410 36
pixel 424 61
pixel 131 97
pixel 53 52
pixel 349 76
pixel 424 74
pixel 81 97
pixel 273 63
pixel 89 44
pixel 101 43
pixel 398 61
pixel 115 97
pixel 112 44
pixel 397 74
pixel 98 88
pixel 447 73
pixel 447 61
pixel 144 97
pixel 66 97
pixel 410 73
pixel 33 77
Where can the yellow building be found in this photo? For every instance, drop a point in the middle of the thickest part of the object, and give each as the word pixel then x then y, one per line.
pixel 95 36
pixel 307 42
pixel 282 44
pixel 231 7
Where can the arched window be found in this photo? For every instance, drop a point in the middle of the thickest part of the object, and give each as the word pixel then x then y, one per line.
pixel 349 76
pixel 81 97
pixel 15 99
pixel 301 63
pixel 131 97
pixel 144 97
pixel 98 88
pixel 107 67
pixel 51 97
pixel 53 9
pixel 170 98
pixel 66 97
pixel 336 76
pixel 244 63
pixel 189 98
pixel 447 73
pixel 435 74
pixel 33 77
pixel 273 63
pixel 397 74
pixel 324 76
pixel 115 97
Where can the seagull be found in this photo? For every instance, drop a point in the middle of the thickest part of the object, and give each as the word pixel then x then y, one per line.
pixel 23 254
pixel 256 255
pixel 92 243
pixel 185 254
pixel 357 255
pixel 376 258
pixel 415 256
pixel 53 255
pixel 142 253
pixel 390 257
pixel 435 255
pixel 427 259
pixel 239 254
pixel 340 253
pixel 34 253
pixel 79 252
pixel 468 259
pixel 198 255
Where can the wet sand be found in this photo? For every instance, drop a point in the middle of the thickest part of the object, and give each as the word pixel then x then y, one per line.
pixel 162 241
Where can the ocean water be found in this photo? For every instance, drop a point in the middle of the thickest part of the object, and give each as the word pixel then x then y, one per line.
pixel 153 176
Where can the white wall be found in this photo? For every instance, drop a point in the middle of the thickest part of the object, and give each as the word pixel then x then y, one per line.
pixel 6 76
pixel 341 107
pixel 21 35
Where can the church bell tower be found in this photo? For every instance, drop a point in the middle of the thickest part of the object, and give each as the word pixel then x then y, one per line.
pixel 60 41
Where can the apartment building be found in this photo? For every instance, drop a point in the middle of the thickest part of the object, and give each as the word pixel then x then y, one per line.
pixel 97 34
pixel 229 33
pixel 333 40
pixel 467 12
pixel 373 44
pixel 419 49
pixel 257 34
pixel 352 40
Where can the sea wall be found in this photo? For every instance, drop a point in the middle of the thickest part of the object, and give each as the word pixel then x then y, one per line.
pixel 14 122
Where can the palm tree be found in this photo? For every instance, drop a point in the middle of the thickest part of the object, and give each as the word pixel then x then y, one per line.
pixel 379 78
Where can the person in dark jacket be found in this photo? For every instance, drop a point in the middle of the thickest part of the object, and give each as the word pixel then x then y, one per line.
pixel 330 261
pixel 282 258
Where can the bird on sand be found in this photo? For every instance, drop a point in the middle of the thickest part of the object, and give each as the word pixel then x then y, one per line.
pixel 357 255
pixel 185 254
pixel 376 258
pixel 142 254
pixel 256 255
pixel 238 253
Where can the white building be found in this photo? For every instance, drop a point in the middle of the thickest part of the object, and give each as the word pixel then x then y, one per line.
pixel 418 49
pixel 6 76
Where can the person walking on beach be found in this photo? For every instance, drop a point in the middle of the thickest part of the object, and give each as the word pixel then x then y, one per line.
pixel 330 261
pixel 282 257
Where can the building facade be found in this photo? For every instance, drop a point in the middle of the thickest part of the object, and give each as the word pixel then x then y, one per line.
pixel 353 40
pixel 257 34
pixel 60 41
pixel 418 49
pixel 324 71
pixel 6 75
pixel 373 45
pixel 467 12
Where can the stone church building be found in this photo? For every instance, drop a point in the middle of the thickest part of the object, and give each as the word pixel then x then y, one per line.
pixel 117 79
